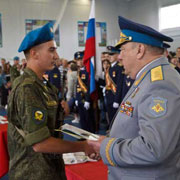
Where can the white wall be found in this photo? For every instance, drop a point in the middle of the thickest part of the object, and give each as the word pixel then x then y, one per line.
pixel 147 12
pixel 14 13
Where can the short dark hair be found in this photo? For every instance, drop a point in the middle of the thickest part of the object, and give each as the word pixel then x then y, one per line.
pixel 105 52
pixel 106 60
pixel 155 50
pixel 73 67
pixel 27 53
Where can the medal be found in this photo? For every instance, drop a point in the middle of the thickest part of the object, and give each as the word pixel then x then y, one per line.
pixel 126 108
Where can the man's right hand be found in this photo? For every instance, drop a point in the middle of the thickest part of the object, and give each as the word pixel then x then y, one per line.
pixel 96 147
pixel 89 151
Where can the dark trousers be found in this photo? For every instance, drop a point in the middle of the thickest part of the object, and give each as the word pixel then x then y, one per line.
pixel 87 121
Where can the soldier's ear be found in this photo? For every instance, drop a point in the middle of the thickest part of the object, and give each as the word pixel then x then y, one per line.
pixel 34 53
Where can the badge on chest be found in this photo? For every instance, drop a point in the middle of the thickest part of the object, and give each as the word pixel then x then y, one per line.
pixel 126 108
pixel 83 76
pixel 114 74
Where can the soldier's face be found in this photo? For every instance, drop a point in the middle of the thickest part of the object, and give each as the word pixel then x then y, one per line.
pixel 178 52
pixel 128 58
pixel 16 62
pixel 47 55
pixel 3 61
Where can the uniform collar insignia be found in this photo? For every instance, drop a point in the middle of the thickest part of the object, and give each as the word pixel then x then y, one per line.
pixel 136 83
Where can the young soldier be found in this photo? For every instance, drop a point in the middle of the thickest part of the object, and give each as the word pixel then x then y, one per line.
pixel 32 109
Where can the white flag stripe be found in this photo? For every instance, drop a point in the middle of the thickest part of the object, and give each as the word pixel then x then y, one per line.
pixel 92 13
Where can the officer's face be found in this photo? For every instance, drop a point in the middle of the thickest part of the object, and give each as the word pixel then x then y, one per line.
pixel 113 58
pixel 80 63
pixel 47 55
pixel 128 58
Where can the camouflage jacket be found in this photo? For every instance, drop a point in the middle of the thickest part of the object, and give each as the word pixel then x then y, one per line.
pixel 32 108
pixel 14 73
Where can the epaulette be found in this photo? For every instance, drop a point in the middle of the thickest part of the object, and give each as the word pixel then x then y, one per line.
pixel 119 64
pixel 157 74
pixel 28 81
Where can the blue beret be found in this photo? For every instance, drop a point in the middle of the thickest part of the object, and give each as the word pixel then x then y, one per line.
pixel 16 58
pixel 135 32
pixel 79 55
pixel 113 50
pixel 37 36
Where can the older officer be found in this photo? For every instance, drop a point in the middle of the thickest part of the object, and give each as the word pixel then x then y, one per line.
pixel 144 141
pixel 32 109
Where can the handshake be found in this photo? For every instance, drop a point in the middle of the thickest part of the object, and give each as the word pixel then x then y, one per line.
pixel 92 148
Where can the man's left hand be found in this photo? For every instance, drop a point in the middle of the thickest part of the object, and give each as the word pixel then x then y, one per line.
pixel 96 144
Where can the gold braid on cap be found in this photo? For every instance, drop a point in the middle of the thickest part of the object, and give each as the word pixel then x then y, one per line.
pixel 123 39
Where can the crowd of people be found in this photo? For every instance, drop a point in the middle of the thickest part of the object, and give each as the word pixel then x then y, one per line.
pixel 112 86
pixel 174 59
pixel 138 99
pixel 72 81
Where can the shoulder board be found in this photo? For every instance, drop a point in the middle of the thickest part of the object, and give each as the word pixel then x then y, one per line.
pixel 157 74
pixel 119 64
pixel 28 81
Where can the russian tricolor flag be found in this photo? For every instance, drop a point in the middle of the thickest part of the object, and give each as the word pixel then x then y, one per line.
pixel 90 49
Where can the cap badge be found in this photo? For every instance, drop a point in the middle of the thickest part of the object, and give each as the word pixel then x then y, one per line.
pixel 124 38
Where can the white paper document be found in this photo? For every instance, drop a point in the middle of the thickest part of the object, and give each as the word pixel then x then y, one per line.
pixel 77 132
pixel 75 158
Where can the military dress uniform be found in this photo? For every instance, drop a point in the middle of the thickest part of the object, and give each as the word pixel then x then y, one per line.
pixel 144 141
pixel 126 152
pixel 82 95
pixel 32 114
pixel 54 76
pixel 114 83
pixel 127 83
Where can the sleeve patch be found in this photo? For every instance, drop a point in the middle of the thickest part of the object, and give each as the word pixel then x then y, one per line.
pixel 38 115
pixel 158 106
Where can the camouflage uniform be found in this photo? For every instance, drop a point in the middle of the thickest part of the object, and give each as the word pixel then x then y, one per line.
pixel 32 109
pixel 14 73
